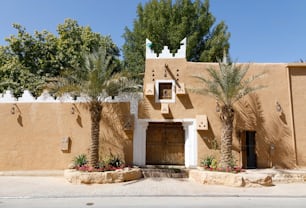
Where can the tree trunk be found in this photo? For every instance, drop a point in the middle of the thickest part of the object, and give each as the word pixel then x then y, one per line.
pixel 95 109
pixel 227 118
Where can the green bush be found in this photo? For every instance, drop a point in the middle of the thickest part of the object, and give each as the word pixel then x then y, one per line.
pixel 80 160
pixel 214 163
pixel 207 161
pixel 112 160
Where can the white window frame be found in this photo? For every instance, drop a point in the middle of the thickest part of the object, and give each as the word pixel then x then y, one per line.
pixel 172 100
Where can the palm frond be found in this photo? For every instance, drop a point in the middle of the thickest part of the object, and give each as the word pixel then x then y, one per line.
pixel 228 84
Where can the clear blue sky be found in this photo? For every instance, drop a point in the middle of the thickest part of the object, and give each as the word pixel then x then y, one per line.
pixel 261 30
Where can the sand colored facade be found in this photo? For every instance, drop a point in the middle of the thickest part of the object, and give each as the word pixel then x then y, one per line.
pixel 33 134
pixel 170 124
pixel 269 125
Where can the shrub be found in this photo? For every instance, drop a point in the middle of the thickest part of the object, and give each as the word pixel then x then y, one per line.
pixel 111 161
pixel 115 161
pixel 214 163
pixel 207 161
pixel 80 160
pixel 108 164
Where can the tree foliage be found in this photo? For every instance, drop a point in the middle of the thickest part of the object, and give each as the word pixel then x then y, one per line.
pixel 90 78
pixel 227 84
pixel 31 61
pixel 166 23
pixel 96 78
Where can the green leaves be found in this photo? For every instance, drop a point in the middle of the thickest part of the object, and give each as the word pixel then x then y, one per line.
pixel 30 61
pixel 228 84
pixel 167 23
pixel 95 77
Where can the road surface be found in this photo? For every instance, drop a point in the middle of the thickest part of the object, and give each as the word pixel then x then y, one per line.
pixel 155 201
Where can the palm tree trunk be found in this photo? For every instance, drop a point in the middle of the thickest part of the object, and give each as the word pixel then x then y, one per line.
pixel 227 118
pixel 95 109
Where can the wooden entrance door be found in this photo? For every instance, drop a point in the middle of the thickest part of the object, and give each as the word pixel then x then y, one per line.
pixel 165 144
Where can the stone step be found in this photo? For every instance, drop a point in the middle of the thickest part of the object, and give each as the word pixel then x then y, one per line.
pixel 149 172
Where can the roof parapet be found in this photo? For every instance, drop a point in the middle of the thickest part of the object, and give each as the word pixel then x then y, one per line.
pixel 165 54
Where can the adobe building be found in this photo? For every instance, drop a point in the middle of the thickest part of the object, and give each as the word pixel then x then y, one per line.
pixel 167 125
pixel 177 126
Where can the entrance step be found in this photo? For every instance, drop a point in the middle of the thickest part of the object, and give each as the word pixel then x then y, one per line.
pixel 158 171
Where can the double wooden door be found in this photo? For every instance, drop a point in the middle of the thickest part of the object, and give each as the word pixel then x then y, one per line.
pixel 165 144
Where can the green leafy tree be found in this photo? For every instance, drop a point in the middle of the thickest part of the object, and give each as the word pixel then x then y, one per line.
pixel 167 23
pixel 227 84
pixel 42 57
pixel 16 77
pixel 36 52
pixel 75 40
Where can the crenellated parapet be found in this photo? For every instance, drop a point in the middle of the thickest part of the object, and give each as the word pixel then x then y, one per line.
pixel 165 54
pixel 46 97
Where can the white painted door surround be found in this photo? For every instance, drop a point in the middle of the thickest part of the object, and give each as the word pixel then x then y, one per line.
pixel 191 147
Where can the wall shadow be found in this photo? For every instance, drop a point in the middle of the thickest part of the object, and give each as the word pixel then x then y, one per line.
pixel 209 138
pixel 250 117
pixel 19 120
pixel 270 131
pixel 169 115
pixel 186 101
pixel 79 121
pixel 114 139
pixel 154 105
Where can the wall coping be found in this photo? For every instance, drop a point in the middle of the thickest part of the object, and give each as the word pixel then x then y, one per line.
pixel 46 97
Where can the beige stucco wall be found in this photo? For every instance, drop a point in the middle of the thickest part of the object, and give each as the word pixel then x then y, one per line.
pixel 297 89
pixel 256 111
pixel 31 138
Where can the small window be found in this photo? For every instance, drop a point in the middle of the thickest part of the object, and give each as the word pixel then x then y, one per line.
pixel 165 91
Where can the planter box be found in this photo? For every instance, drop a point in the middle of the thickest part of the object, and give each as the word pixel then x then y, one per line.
pixel 230 179
pixel 79 177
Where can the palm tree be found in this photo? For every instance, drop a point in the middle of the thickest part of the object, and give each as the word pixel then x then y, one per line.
pixel 227 85
pixel 93 78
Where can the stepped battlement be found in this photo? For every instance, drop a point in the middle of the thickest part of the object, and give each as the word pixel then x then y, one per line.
pixel 165 54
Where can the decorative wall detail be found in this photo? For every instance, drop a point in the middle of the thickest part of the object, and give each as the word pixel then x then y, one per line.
pixel 180 89
pixel 153 75
pixel 164 108
pixel 165 70
pixel 149 90
pixel 65 144
pixel 177 75
pixel 45 97
pixel 165 54
pixel 201 122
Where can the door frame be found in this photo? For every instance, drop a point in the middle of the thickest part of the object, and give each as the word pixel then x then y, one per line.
pixel 190 147
pixel 163 145
pixel 248 149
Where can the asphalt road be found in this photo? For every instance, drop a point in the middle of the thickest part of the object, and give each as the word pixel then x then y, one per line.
pixel 155 201
pixel 20 191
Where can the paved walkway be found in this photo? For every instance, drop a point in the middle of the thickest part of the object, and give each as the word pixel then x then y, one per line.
pixel 58 187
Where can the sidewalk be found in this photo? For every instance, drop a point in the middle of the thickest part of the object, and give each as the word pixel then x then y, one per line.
pixel 58 187
pixel 281 175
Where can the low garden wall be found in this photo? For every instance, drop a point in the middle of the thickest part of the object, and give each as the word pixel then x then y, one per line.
pixel 117 176
pixel 230 179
